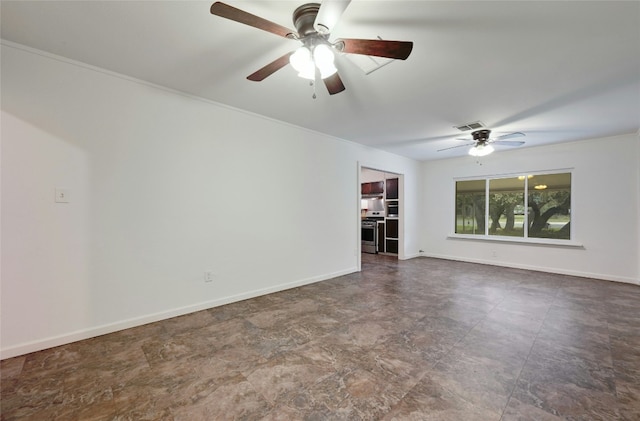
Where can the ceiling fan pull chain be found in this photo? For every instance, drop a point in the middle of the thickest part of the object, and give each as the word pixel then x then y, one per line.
pixel 314 89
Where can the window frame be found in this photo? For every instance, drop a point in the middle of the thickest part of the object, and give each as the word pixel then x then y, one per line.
pixel 526 239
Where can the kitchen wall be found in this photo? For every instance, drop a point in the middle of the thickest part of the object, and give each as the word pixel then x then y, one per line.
pixel 162 187
pixel 605 216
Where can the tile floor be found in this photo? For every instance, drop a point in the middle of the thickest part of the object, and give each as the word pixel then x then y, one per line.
pixel 423 339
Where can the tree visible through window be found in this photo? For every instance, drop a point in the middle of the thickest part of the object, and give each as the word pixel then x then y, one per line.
pixel 505 194
pixel 531 206
pixel 550 206
pixel 470 207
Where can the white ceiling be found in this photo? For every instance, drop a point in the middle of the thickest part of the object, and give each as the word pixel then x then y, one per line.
pixel 557 71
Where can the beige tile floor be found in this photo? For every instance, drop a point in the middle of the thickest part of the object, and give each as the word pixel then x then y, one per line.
pixel 423 339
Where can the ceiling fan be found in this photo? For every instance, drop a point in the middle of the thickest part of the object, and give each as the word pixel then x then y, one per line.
pixel 482 143
pixel 314 22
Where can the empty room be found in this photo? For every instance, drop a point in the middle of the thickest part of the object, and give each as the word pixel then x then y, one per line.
pixel 342 210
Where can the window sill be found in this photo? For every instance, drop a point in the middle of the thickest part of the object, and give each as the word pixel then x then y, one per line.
pixel 531 241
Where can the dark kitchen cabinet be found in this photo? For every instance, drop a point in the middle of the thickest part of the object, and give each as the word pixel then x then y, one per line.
pixel 366 188
pixel 381 241
pixel 392 188
pixel 392 228
pixel 392 246
pixel 376 187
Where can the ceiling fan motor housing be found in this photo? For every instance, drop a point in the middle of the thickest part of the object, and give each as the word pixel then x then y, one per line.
pixel 304 17
pixel 481 136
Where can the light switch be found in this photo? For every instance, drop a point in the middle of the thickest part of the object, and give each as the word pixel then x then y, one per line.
pixel 63 196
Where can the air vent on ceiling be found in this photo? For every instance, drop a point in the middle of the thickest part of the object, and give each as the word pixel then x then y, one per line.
pixel 470 126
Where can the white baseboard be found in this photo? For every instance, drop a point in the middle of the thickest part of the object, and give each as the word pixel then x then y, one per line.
pixel 411 256
pixel 39 345
pixel 602 276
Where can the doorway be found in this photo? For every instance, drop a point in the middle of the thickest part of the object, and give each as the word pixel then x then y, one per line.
pixel 381 211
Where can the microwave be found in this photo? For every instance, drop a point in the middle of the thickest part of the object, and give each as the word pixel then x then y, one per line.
pixel 392 209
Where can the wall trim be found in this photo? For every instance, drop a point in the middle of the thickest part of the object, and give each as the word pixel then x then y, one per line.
pixel 410 256
pixel 600 276
pixel 79 335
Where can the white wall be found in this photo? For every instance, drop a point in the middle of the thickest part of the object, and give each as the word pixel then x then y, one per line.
pixel 163 187
pixel 605 216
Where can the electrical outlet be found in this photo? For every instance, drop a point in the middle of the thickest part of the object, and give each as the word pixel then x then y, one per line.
pixel 208 276
pixel 494 253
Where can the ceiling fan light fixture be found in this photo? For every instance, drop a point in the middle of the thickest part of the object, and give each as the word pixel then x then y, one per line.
pixel 324 58
pixel 481 150
pixel 305 63
pixel 327 70
pixel 302 62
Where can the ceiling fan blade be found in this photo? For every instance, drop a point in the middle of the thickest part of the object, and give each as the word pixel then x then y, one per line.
pixel 454 147
pixel 509 136
pixel 230 12
pixel 270 68
pixel 329 14
pixel 508 142
pixel 334 84
pixel 375 47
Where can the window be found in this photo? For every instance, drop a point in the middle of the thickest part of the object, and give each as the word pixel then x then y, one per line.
pixel 470 207
pixel 525 206
pixel 505 194
pixel 549 201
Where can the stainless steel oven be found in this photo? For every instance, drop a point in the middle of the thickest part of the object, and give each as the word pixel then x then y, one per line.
pixel 369 234
pixel 392 209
